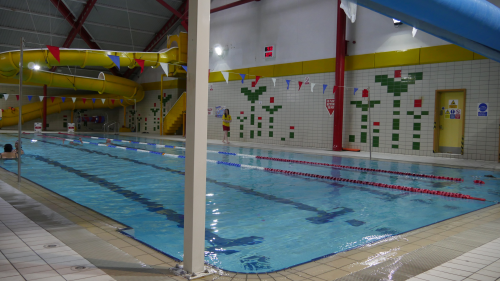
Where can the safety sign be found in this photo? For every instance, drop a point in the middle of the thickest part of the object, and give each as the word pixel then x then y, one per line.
pixel 38 127
pixel 453 103
pixel 71 128
pixel 458 112
pixel 447 114
pixel 210 111
pixel 482 109
pixel 452 113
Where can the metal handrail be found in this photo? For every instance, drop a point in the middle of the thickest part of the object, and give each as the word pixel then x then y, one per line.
pixel 114 128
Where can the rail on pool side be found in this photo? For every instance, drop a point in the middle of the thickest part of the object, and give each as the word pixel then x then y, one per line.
pixel 286 160
pixel 383 185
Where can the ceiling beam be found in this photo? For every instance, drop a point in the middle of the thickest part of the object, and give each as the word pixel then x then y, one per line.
pixel 231 5
pixel 170 8
pixel 123 10
pixel 79 23
pixel 65 11
pixel 161 33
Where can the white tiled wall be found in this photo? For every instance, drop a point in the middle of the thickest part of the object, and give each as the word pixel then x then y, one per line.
pixel 313 126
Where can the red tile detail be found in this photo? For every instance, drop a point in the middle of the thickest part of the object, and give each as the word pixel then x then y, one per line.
pixel 417 103
pixel 397 73
pixel 271 100
pixel 376 123
pixel 146 119
pixel 292 127
pixel 242 112
pixel 260 118
pixel 253 83
pixel 155 104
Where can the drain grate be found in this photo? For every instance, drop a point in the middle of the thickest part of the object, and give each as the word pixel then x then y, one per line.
pixel 78 268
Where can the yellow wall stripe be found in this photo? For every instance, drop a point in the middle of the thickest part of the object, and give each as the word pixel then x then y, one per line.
pixel 445 53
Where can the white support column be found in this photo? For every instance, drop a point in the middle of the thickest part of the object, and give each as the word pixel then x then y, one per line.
pixel 196 135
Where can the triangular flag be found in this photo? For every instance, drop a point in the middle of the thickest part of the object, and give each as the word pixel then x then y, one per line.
pixel 29 98
pixel 140 63
pixel 226 76
pixel 55 52
pixel 6 96
pixel 52 99
pixel 274 81
pixel 63 99
pixel 209 74
pixel 185 68
pixel 74 99
pixel 288 83
pixel 17 97
pixel 334 89
pixel 93 100
pixel 414 31
pixel 300 84
pixel 355 90
pixel 41 98
pixel 164 66
pixel 312 86
pixel 103 101
pixel 257 80
pixel 112 101
pixel 84 100
pixel 121 101
pixel 324 88
pixel 242 78
pixel 115 60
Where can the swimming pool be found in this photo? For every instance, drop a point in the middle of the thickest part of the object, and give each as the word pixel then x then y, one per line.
pixel 256 221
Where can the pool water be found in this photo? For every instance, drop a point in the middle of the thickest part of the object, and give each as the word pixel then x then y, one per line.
pixel 256 221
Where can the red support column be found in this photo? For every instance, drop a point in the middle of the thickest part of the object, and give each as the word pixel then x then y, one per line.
pixel 339 80
pixel 44 109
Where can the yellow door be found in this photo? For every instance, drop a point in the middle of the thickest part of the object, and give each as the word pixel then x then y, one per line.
pixel 451 122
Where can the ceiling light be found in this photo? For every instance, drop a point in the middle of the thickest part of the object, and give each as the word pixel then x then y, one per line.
pixel 218 50
pixel 36 67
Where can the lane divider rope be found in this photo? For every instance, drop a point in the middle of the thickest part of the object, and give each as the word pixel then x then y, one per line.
pixel 293 161
pixel 383 185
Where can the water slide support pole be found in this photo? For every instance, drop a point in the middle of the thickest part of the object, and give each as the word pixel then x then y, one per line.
pixel 135 115
pixel 44 110
pixel 196 136
pixel 19 124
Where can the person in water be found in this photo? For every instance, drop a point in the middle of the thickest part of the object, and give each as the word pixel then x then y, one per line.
pixel 226 123
pixel 8 152
pixel 75 143
pixel 18 149
pixel 108 142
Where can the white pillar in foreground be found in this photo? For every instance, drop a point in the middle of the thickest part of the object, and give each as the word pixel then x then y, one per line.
pixel 196 135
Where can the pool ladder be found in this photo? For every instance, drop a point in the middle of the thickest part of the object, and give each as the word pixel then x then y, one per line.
pixel 115 127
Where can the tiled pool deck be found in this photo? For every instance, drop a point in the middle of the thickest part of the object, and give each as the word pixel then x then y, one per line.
pixel 463 247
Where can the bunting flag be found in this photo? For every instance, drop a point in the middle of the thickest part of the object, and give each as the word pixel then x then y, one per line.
pixel 414 32
pixel 17 97
pixel 324 88
pixel 74 100
pixel 52 99
pixel 164 66
pixel 226 76
pixel 300 84
pixel 257 80
pixel 355 90
pixel 29 98
pixel 93 100
pixel 63 99
pixel 288 84
pixel 121 101
pixel 312 86
pixel 6 96
pixel 84 100
pixel 41 98
pixel 334 89
pixel 112 101
pixel 185 68
pixel 209 74
pixel 242 78
pixel 55 52
pixel 103 101
pixel 140 63
pixel 115 60
pixel 274 81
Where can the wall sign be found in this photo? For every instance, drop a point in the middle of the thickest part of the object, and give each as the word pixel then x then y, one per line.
pixel 330 105
pixel 453 103
pixel 482 109
pixel 38 127
pixel 219 111
pixel 269 52
pixel 210 111
pixel 71 128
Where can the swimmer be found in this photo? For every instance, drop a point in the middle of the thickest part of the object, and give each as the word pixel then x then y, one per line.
pixel 17 148
pixel 8 153
pixel 75 143
pixel 108 142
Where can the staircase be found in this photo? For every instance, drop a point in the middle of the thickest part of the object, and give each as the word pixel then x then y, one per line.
pixel 173 120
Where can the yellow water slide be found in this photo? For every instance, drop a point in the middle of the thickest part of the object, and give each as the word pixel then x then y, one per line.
pixel 174 118
pixel 108 86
